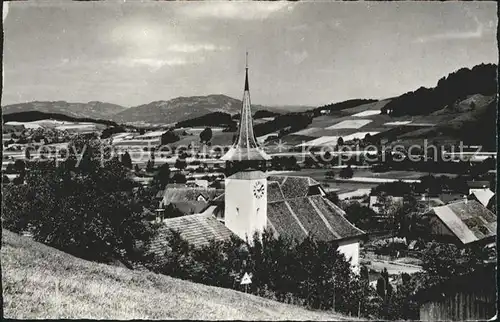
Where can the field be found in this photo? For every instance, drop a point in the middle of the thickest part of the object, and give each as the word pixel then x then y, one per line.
pixel 362 179
pixel 349 124
pixel 40 282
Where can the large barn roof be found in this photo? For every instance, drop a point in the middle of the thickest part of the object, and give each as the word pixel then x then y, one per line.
pixel 469 221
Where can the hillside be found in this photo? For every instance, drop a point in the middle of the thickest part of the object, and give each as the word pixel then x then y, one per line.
pixel 40 282
pixel 184 108
pixel 31 116
pixel 472 120
pixel 481 79
pixel 93 110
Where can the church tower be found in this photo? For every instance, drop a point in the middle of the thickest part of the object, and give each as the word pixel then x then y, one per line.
pixel 246 190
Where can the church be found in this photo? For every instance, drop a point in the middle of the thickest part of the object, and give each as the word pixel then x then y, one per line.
pixel 252 201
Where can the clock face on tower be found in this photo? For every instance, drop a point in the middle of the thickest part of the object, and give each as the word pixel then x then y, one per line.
pixel 258 189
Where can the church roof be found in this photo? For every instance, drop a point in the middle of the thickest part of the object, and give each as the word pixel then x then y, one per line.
pixel 294 186
pixel 314 215
pixel 196 229
pixel 245 175
pixel 242 153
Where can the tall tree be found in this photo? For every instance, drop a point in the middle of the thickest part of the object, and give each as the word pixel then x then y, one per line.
pixel 127 160
pixel 162 177
pixel 206 135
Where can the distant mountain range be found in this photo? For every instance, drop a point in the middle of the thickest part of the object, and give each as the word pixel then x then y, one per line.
pixel 93 109
pixel 158 112
pixel 184 108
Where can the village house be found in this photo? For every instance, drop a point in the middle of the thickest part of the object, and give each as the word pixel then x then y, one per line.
pixel 254 201
pixel 477 184
pixel 462 223
pixel 377 205
pixel 482 195
pixel 187 199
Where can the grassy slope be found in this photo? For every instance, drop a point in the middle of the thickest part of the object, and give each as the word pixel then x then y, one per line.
pixel 31 271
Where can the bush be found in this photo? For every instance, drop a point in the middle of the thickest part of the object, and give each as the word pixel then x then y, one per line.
pixel 309 273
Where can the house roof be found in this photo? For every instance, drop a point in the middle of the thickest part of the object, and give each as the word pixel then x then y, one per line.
pixel 196 229
pixel 482 195
pixel 449 197
pixel 393 199
pixel 189 194
pixel 478 184
pixel 470 221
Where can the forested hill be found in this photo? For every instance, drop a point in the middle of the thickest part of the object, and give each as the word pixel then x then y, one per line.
pixel 31 116
pixel 481 79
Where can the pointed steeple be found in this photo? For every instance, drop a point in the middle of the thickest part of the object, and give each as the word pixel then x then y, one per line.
pixel 246 74
pixel 245 146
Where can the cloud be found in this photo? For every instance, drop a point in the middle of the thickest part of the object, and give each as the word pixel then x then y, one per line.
pixel 192 48
pixel 154 64
pixel 453 35
pixel 297 57
pixel 235 9
pixel 331 24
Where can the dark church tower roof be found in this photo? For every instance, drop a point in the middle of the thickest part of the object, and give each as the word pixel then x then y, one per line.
pixel 245 146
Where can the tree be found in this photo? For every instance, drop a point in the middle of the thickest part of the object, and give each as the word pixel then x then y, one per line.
pixel 180 164
pixel 27 153
pixel 20 166
pixel 169 137
pixel 136 168
pixel 443 261
pixel 149 166
pixel 179 178
pixel 327 156
pixel 206 135
pixel 361 216
pixel 162 177
pixel 330 174
pixel 346 173
pixel 340 141
pixel 89 213
pixel 5 179
pixel 109 131
pixel 126 160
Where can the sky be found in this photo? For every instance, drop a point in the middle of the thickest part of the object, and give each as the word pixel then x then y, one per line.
pixel 132 53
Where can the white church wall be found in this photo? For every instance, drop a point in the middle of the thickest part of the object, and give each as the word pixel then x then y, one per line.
pixel 350 249
pixel 244 213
